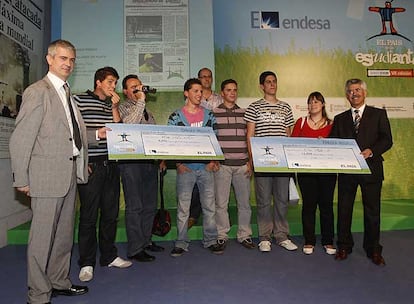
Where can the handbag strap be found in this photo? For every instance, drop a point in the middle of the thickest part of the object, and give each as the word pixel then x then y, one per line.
pixel 162 173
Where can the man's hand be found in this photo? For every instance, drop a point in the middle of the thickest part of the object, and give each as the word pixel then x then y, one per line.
pixel 139 95
pixel 249 170
pixel 181 168
pixel 213 166
pixel 102 132
pixel 366 153
pixel 25 190
pixel 115 99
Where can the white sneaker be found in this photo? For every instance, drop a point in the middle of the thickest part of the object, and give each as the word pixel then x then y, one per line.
pixel 288 245
pixel 308 250
pixel 329 250
pixel 265 246
pixel 86 273
pixel 120 263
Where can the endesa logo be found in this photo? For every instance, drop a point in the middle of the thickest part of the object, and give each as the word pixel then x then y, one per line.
pixel 271 20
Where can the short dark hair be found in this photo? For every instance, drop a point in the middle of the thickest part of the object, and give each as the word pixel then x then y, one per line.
pixel 126 78
pixel 190 82
pixel 102 73
pixel 204 69
pixel 263 76
pixel 226 82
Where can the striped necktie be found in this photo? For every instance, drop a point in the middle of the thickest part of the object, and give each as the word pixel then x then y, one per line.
pixel 357 121
pixel 75 126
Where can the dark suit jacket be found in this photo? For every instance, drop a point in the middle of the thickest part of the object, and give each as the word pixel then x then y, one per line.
pixel 374 133
pixel 41 147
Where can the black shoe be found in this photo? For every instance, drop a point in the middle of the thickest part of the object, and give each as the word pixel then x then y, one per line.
pixel 216 248
pixel 222 243
pixel 142 256
pixel 74 290
pixel 154 247
pixel 248 243
pixel 176 252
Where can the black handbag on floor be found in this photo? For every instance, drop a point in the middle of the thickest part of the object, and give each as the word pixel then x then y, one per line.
pixel 162 219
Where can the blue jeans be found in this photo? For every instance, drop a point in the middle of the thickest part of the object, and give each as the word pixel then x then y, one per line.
pixel 185 184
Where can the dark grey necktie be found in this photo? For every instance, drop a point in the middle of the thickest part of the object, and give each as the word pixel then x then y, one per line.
pixel 357 121
pixel 75 126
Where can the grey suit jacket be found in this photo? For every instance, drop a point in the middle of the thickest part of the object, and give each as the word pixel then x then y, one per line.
pixel 41 148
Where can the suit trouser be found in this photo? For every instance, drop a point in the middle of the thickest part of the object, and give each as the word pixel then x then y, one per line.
pixel 50 244
pixel 140 185
pixel 99 198
pixel 371 200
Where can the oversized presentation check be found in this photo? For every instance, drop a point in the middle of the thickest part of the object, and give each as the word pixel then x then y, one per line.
pixel 299 154
pixel 135 141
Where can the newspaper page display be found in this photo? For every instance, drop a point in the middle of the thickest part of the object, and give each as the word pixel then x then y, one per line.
pixel 157 42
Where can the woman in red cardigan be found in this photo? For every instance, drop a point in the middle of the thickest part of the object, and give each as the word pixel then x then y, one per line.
pixel 317 188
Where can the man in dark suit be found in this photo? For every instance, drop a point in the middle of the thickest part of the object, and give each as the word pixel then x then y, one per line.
pixel 370 128
pixel 48 151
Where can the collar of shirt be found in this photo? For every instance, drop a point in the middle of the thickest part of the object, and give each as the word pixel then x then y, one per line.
pixel 58 85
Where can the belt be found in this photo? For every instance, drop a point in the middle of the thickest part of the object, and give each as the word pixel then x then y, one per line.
pixel 98 159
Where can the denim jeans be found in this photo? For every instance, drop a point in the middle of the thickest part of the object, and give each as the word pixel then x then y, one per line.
pixel 224 179
pixel 185 184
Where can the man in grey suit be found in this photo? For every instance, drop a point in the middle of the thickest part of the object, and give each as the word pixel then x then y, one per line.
pixel 48 150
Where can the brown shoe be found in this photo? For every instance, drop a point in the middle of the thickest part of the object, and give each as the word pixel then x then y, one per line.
pixel 377 259
pixel 191 222
pixel 341 255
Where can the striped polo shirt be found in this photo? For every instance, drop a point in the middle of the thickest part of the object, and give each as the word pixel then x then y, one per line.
pixel 271 119
pixel 96 113
pixel 231 134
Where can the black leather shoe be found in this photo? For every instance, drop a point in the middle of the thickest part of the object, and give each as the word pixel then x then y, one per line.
pixel 216 248
pixel 154 247
pixel 74 290
pixel 142 256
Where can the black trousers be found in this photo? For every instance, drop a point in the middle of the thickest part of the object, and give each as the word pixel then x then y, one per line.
pixel 371 200
pixel 317 190
pixel 99 200
pixel 195 207
pixel 140 185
